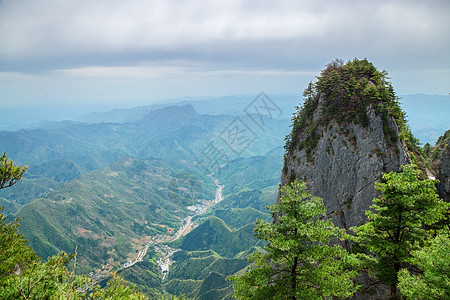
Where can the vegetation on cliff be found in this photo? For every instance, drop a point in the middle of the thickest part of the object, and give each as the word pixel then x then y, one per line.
pixel 344 92
pixel 433 154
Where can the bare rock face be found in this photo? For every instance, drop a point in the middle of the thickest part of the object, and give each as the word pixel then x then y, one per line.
pixel 444 175
pixel 440 165
pixel 344 137
pixel 345 165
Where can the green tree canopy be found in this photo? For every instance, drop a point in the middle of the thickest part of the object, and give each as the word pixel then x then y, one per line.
pixel 15 255
pixel 299 262
pixel 433 280
pixel 396 222
pixel 9 172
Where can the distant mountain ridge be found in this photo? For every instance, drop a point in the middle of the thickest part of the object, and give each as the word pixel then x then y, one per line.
pixel 112 140
pixel 66 150
pixel 426 113
pixel 228 105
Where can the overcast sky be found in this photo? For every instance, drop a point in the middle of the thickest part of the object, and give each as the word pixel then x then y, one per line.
pixel 134 52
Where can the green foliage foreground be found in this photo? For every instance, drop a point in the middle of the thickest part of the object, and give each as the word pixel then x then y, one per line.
pixel 299 262
pixel 9 172
pixel 404 244
pixel 433 280
pixel 24 276
pixel 397 223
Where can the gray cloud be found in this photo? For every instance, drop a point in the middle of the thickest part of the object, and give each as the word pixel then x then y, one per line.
pixel 171 38
pixel 47 28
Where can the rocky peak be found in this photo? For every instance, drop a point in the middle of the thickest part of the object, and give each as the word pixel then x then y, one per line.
pixel 349 131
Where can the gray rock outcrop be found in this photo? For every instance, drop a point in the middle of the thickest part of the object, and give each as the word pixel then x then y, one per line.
pixel 345 164
pixel 444 175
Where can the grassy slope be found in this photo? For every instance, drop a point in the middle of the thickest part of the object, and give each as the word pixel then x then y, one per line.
pixel 102 211
pixel 215 235
pixel 233 239
pixel 250 185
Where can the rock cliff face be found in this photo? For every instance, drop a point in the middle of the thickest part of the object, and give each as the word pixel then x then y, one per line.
pixel 439 156
pixel 342 142
pixel 444 176
pixel 346 163
pixel 442 151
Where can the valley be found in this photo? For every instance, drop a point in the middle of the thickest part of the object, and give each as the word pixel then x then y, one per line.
pixel 159 242
pixel 131 198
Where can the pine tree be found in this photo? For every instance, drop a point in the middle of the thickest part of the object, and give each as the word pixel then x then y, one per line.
pixel 433 280
pixel 298 263
pixel 9 172
pixel 396 222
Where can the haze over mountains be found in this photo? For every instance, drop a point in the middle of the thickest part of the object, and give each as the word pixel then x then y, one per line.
pixel 117 183
pixel 110 188
pixel 427 114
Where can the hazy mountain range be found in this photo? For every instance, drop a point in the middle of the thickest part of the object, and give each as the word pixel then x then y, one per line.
pixel 427 114
pixel 106 183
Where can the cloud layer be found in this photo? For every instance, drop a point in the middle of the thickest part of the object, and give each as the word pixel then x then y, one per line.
pixel 168 38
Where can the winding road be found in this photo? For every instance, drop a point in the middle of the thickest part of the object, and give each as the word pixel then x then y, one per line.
pixel 164 262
